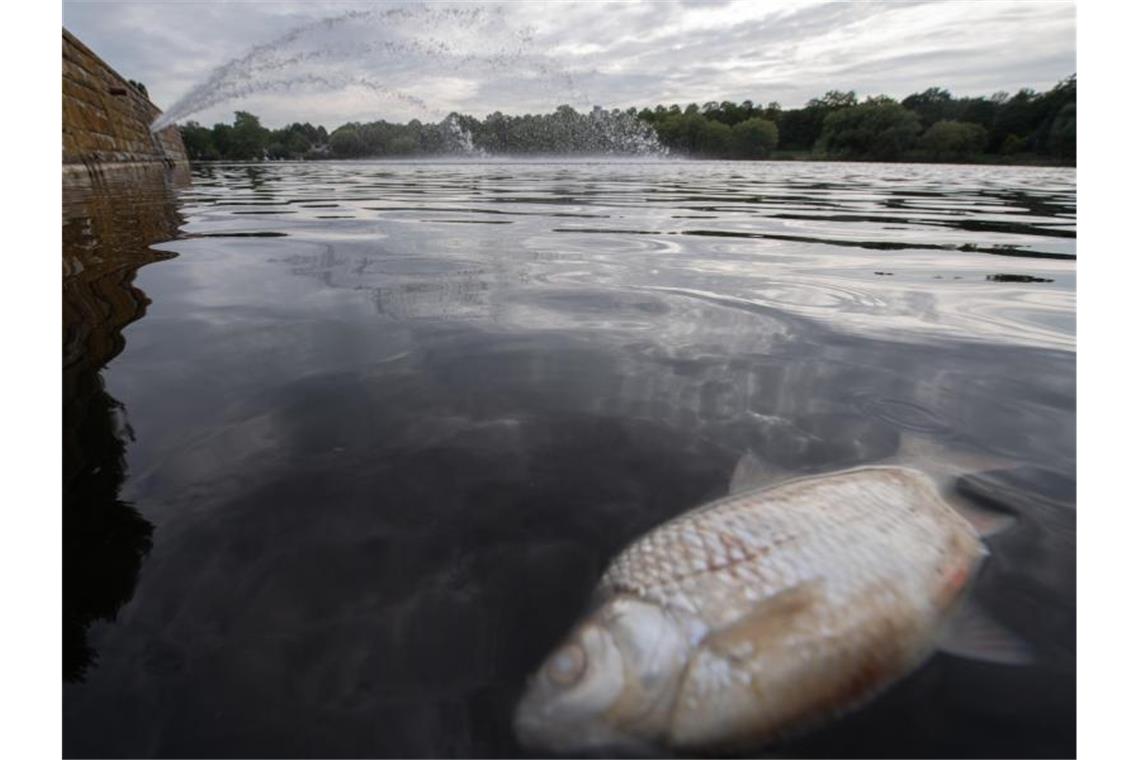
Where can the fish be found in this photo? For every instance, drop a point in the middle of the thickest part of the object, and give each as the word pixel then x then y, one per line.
pixel 765 613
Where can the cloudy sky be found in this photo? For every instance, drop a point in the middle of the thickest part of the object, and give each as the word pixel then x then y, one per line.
pixel 334 62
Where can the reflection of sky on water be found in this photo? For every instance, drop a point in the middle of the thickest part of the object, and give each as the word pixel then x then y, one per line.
pixel 386 457
pixel 789 236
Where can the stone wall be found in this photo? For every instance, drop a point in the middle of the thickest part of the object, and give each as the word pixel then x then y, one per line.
pixel 106 120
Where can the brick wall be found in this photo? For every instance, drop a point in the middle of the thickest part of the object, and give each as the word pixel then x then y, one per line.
pixel 105 119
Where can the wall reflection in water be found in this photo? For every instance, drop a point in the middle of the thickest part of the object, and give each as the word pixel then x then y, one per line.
pixel 108 224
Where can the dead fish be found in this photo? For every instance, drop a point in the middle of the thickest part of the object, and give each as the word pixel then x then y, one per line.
pixel 766 612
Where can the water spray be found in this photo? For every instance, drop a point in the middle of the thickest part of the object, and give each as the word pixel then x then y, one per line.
pixel 348 50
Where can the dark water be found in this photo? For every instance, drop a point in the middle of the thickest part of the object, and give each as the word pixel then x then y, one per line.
pixel 348 445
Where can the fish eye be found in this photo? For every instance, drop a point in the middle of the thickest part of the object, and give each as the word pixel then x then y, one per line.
pixel 567 665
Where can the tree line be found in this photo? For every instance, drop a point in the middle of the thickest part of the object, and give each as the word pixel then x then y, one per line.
pixel 932 125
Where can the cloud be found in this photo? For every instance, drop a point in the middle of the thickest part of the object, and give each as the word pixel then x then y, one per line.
pixel 361 62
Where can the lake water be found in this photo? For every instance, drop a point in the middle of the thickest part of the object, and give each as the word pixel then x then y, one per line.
pixel 347 445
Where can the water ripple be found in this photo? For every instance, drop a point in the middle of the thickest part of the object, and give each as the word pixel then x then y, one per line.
pixel 388 439
pixel 872 248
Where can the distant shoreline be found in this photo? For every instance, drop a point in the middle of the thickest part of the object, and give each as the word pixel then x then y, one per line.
pixel 1048 162
pixel 1026 129
pixel 1027 159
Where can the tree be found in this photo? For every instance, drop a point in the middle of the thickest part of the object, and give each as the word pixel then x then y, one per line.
pixel 800 128
pixel 345 142
pixel 1017 115
pixel 755 138
pixel 199 142
pixel 1063 132
pixel 1057 131
pixel 976 110
pixel 950 140
pixel 403 145
pixel 248 139
pixel 1012 145
pixel 715 139
pixel 836 125
pixel 932 105
pixel 881 131
pixel 834 99
pixel 291 142
pixel 683 132
pixel 1032 116
pixel 222 137
pixel 879 100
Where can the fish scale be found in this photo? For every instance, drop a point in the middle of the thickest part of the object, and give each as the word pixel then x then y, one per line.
pixel 851 532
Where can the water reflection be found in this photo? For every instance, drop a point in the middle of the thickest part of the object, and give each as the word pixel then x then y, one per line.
pixel 108 224
pixel 387 456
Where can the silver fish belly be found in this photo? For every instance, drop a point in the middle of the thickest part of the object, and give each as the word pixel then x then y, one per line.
pixel 756 615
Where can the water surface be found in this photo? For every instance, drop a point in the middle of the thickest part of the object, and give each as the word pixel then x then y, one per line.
pixel 347 445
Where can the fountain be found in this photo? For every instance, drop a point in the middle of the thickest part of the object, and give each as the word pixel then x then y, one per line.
pixel 409 44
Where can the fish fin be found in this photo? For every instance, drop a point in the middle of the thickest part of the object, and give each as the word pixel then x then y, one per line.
pixel 973 634
pixel 722 695
pixel 752 472
pixel 771 618
pixel 940 461
pixel 948 466
pixel 987 522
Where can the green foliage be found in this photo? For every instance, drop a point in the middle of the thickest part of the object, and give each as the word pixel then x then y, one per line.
pixel 835 125
pixel 877 130
pixel 800 128
pixel 563 131
pixel 403 145
pixel 699 134
pixel 248 139
pixel 715 139
pixel 1012 145
pixel 1018 115
pixel 681 131
pixel 755 138
pixel 1063 132
pixel 222 137
pixel 346 142
pixel 199 142
pixel 295 141
pixel 879 100
pixel 951 140
pixel 834 99
pixel 1031 115
pixel 932 105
